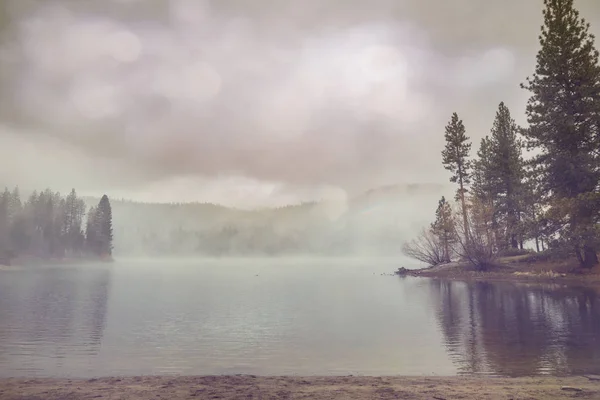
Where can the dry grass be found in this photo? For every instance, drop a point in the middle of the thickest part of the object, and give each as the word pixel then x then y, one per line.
pixel 518 268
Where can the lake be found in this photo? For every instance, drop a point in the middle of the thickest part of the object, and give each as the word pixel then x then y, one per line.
pixel 286 317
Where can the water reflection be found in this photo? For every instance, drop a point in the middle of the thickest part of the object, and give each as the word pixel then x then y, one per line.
pixel 50 315
pixel 516 330
pixel 197 318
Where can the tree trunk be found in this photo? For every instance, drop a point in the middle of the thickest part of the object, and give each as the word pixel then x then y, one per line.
pixel 579 256
pixel 514 243
pixel 464 210
pixel 446 250
pixel 590 257
pixel 537 231
pixel 510 227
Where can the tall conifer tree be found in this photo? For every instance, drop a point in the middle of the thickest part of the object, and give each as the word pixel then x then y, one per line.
pixel 563 114
pixel 455 158
pixel 443 227
pixel 105 231
pixel 498 176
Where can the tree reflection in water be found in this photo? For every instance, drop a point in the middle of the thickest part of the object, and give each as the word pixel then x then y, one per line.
pixel 50 315
pixel 518 330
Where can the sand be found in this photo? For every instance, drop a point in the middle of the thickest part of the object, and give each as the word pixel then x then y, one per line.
pixel 347 388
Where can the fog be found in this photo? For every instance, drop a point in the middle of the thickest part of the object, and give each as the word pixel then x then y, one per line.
pixel 373 224
pixel 254 104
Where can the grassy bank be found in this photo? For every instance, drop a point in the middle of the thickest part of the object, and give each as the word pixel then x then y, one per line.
pixel 517 268
pixel 346 388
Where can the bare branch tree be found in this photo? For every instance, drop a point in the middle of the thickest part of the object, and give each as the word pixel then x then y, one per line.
pixel 477 245
pixel 426 248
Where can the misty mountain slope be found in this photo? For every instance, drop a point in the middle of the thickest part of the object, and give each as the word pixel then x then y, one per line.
pixel 373 223
pixel 382 219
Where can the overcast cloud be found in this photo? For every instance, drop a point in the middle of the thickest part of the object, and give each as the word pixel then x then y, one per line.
pixel 252 103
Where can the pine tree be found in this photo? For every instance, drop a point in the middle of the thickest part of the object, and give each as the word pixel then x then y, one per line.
pixel 58 222
pixel 20 238
pixel 563 114
pixel 483 191
pixel 443 227
pixel 483 187
pixel 455 158
pixel 534 202
pixel 49 225
pixel 48 205
pixel 507 171
pixel 14 205
pixel 105 232
pixel 73 219
pixel 91 232
pixel 33 226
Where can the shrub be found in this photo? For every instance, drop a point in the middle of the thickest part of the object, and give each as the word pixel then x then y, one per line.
pixel 425 248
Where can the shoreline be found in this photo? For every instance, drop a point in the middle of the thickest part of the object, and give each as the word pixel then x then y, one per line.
pixel 511 271
pixel 21 262
pixel 292 387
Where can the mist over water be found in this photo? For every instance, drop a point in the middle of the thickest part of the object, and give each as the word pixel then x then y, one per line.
pixel 373 224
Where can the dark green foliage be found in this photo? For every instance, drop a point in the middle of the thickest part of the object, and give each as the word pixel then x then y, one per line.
pixel 98 231
pixel 14 203
pixel 74 210
pixel 443 228
pixel 550 255
pixel 483 186
pixel 455 158
pixel 498 176
pixel 102 227
pixel 47 226
pixel 563 114
pixel 553 198
pixel 91 227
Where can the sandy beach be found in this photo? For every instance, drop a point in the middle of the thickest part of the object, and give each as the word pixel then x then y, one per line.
pixel 347 388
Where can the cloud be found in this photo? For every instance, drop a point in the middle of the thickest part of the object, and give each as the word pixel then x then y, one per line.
pixel 283 93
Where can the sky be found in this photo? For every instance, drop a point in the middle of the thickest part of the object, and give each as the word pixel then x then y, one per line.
pixel 252 103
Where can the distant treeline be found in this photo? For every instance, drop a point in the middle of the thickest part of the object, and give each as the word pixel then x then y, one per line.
pixel 373 223
pixel 50 226
pixel 210 230
pixel 552 197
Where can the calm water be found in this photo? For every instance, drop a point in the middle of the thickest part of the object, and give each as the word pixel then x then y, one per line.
pixel 286 317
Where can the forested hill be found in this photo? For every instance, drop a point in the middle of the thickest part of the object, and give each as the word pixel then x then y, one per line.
pixel 374 223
